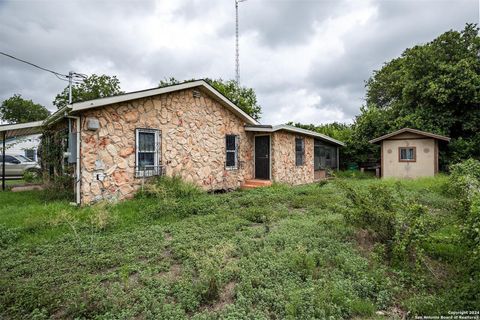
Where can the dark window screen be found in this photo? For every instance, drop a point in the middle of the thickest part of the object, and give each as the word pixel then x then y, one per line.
pixel 299 151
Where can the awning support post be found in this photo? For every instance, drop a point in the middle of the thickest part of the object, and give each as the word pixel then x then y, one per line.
pixel 3 158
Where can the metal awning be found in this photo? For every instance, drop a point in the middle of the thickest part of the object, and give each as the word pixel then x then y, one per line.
pixel 20 129
pixel 16 130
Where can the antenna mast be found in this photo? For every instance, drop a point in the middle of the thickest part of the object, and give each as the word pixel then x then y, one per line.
pixel 237 53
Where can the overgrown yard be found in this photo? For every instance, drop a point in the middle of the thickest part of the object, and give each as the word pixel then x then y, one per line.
pixel 280 252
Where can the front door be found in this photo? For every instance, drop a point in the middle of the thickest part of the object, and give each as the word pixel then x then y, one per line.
pixel 262 157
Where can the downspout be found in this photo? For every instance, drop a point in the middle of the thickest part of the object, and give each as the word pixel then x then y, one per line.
pixel 77 164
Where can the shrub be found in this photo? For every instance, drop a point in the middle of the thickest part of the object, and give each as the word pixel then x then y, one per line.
pixel 101 217
pixel 392 221
pixel 170 187
pixel 59 188
pixel 32 176
pixel 465 185
pixel 353 174
pixel 464 180
pixel 412 228
pixel 373 210
pixel 211 291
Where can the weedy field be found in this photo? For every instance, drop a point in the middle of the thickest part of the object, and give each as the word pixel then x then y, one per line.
pixel 348 248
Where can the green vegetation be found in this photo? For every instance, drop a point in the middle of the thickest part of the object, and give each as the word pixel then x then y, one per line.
pixel 91 87
pixel 346 248
pixel 19 110
pixel 433 87
pixel 243 97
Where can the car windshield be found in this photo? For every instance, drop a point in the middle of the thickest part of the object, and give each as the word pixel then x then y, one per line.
pixel 22 158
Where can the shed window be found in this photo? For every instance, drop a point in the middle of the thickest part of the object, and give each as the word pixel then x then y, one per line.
pixel 147 152
pixel 408 154
pixel 299 151
pixel 231 144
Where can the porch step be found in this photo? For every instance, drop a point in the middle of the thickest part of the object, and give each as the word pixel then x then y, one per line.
pixel 255 183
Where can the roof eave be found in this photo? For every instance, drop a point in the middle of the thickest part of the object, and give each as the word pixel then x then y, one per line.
pixel 267 128
pixel 415 131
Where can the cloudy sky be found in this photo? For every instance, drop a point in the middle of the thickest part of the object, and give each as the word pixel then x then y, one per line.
pixel 306 59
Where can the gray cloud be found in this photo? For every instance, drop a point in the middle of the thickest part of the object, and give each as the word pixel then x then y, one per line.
pixel 299 55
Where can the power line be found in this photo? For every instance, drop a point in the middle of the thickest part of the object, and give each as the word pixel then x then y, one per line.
pixel 34 65
pixel 60 76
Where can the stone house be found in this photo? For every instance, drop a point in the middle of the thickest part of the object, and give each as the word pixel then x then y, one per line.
pixel 190 130
pixel 409 153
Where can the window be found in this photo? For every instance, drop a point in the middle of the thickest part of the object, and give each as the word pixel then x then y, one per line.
pixel 30 154
pixel 9 159
pixel 231 143
pixel 325 156
pixel 299 151
pixel 408 154
pixel 147 152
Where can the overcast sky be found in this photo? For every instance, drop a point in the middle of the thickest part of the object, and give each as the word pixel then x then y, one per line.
pixel 307 60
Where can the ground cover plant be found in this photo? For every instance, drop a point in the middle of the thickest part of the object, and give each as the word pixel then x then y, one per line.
pixel 346 248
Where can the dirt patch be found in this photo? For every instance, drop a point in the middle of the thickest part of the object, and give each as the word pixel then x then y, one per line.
pixel 436 268
pixel 364 241
pixel 172 274
pixel 27 188
pixel 168 236
pixel 225 297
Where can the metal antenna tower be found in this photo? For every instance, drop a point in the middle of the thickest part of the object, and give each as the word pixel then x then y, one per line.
pixel 237 51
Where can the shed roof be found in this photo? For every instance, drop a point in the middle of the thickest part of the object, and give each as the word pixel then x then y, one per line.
pixel 415 131
pixel 20 129
pixel 285 127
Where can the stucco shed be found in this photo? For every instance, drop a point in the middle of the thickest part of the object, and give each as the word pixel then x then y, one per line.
pixel 409 153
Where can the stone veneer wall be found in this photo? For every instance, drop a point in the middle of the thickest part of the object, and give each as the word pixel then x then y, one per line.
pixel 283 159
pixel 193 133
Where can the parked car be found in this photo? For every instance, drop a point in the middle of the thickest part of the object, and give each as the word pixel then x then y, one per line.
pixel 16 165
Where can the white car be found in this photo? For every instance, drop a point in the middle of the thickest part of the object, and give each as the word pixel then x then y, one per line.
pixel 16 165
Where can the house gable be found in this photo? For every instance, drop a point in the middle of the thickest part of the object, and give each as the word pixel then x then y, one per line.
pixel 200 85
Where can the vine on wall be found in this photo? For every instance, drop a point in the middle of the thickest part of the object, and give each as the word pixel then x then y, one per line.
pixel 56 171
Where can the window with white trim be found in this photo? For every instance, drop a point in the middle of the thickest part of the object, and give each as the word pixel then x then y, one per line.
pixel 231 145
pixel 147 152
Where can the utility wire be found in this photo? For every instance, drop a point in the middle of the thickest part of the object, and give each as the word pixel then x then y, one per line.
pixel 57 74
pixel 33 65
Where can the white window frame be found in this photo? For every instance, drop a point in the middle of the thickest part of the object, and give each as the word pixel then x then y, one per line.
pixel 156 153
pixel 235 152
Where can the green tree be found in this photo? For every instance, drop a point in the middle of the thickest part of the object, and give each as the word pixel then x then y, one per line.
pixel 19 110
pixel 433 87
pixel 93 87
pixel 243 97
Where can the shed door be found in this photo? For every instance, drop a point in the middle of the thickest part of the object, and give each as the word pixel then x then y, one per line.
pixel 262 157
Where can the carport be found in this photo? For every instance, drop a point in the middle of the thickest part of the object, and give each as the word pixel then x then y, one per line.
pixel 14 131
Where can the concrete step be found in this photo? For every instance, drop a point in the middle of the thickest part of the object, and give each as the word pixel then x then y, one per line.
pixel 256 183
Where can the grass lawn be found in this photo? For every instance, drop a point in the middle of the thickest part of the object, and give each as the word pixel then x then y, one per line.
pixel 278 252
pixel 10 182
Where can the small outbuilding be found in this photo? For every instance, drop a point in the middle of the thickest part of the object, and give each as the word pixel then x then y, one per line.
pixel 409 153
